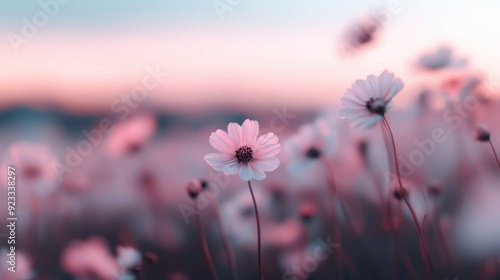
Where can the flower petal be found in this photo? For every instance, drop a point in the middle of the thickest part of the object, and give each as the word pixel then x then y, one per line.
pixel 267 151
pixel 222 142
pixel 246 172
pixel 236 133
pixel 396 87
pixel 250 131
pixel 266 164
pixel 266 139
pixel 231 168
pixel 219 161
pixel 259 174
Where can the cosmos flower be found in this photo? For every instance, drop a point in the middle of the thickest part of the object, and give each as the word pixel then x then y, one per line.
pixel 311 142
pixel 240 150
pixel 366 102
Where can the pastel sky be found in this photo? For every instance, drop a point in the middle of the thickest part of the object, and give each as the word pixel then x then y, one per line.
pixel 282 52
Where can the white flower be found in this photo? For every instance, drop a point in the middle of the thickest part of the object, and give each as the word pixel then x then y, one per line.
pixel 311 142
pixel 366 102
pixel 241 151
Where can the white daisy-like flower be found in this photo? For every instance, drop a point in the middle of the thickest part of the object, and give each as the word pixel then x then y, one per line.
pixel 366 102
pixel 240 150
pixel 311 142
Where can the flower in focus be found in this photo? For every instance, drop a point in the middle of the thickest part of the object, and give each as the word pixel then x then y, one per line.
pixel 311 142
pixel 240 150
pixel 366 102
pixel 441 58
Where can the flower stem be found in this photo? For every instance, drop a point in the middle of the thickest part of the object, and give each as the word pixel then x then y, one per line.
pixel 423 246
pixel 261 274
pixel 204 244
pixel 494 153
pixel 225 241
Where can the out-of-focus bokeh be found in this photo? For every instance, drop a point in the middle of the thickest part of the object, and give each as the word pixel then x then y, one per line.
pixel 106 109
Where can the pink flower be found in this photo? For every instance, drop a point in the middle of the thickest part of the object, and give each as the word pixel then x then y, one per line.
pixel 90 258
pixel 131 135
pixel 366 102
pixel 241 151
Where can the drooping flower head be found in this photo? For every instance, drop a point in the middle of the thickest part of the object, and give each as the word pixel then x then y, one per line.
pixel 241 150
pixel 366 102
pixel 312 142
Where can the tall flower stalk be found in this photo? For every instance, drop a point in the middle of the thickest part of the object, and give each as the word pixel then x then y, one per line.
pixel 241 150
pixel 366 104
pixel 194 189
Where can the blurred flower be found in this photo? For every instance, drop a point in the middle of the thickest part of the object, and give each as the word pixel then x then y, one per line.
pixel 366 102
pixel 90 258
pixel 360 34
pixel 33 163
pixel 130 135
pixel 23 266
pixel 128 257
pixel 311 142
pixel 241 151
pixel 441 58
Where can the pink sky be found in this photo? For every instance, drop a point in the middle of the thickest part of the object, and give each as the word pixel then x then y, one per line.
pixel 284 65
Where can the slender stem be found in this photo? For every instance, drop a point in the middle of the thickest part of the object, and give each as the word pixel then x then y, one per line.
pixel 225 240
pixel 261 274
pixel 332 191
pixel 495 153
pixel 443 243
pixel 204 244
pixel 423 246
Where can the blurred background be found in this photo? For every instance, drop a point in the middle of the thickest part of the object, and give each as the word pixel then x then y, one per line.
pixel 106 108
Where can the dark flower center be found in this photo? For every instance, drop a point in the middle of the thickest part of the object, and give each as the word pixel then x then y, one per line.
pixel 31 172
pixel 313 153
pixel 244 154
pixel 376 106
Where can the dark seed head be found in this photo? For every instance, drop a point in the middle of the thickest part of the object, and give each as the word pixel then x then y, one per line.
pixel 194 188
pixel 376 106
pixel 204 184
pixel 482 134
pixel 244 154
pixel 399 195
pixel 31 172
pixel 313 153
pixel 307 212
